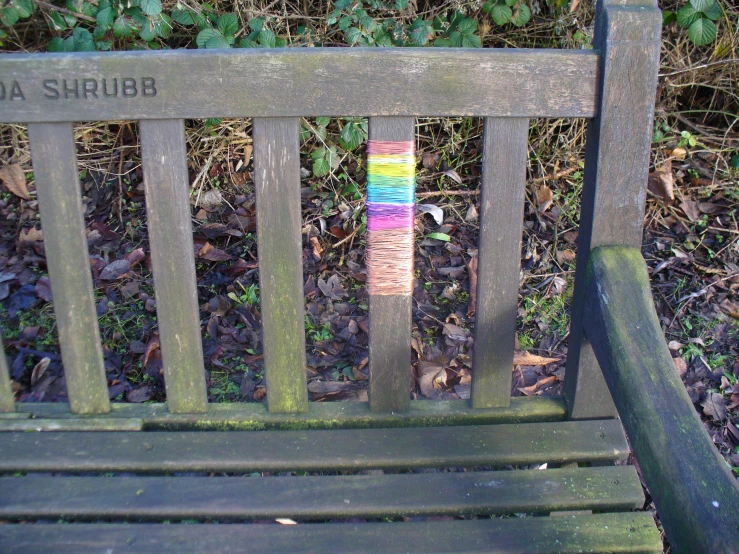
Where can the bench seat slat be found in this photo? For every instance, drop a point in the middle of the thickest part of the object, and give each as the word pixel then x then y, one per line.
pixel 615 533
pixel 68 261
pixel 164 160
pixel 332 450
pixel 294 82
pixel 318 497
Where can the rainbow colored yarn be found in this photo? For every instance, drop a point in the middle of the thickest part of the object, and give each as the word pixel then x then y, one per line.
pixel 391 194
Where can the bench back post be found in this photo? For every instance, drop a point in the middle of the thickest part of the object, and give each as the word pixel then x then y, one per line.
pixel 7 403
pixel 627 34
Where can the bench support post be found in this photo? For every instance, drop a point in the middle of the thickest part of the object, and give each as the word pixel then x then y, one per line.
pixel 627 33
pixel 7 403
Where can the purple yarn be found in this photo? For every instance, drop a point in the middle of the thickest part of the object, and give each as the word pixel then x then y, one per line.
pixel 381 217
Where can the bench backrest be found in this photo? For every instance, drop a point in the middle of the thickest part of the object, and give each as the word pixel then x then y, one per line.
pixel 613 85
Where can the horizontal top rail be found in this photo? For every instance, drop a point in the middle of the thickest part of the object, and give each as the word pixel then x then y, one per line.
pixel 93 86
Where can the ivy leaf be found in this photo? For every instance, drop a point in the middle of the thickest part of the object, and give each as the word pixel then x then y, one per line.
pixel 256 24
pixel 205 35
pixel 351 136
pixel 703 31
pixel 183 17
pixel 151 7
pixel 686 16
pixel 217 41
pixel 57 21
pixel 701 5
pixel 353 35
pixel 421 32
pixel 228 24
pixel 323 121
pixel 58 44
pixel 713 11
pixel 522 16
pixel 471 41
pixel 266 38
pixel 321 167
pixel 9 16
pixel 501 14
pixel 124 26
pixel 467 26
pixel 668 17
pixel 83 41
pixel 24 7
pixel 105 18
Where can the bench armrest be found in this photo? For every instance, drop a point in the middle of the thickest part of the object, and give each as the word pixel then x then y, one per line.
pixel 695 493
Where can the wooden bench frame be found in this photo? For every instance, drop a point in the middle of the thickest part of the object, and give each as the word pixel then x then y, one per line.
pixel 623 351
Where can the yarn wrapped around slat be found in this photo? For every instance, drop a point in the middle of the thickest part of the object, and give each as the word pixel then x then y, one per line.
pixel 391 190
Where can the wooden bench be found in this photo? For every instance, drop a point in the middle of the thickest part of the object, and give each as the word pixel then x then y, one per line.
pixel 174 444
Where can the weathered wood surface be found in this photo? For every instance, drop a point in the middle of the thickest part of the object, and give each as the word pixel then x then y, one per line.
pixel 334 450
pixel 696 495
pixel 299 82
pixel 614 533
pixel 390 316
pixel 168 212
pixel 65 243
pixel 505 146
pixel 320 415
pixel 279 242
pixel 7 400
pixel 616 167
pixel 317 497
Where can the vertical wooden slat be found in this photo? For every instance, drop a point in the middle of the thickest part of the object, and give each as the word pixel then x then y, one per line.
pixel 6 393
pixel 167 187
pixel 617 162
pixel 65 243
pixel 277 185
pixel 390 315
pixel 501 225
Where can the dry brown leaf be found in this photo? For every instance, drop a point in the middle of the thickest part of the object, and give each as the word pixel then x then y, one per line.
pixel 39 370
pixel 565 256
pixel 662 182
pixel 212 254
pixel 14 178
pixel 427 375
pixel 317 248
pixel 691 210
pixel 678 153
pixel 544 198
pixel 522 357
pixel 714 406
pixel 453 175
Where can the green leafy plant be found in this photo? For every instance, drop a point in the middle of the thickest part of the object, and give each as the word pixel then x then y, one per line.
pixel 698 18
pixel 503 12
pixel 324 160
pixel 249 296
pixel 14 11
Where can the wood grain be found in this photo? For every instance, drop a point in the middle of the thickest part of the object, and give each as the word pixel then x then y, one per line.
pixel 163 156
pixel 277 186
pixel 322 497
pixel 616 167
pixel 332 450
pixel 7 400
pixel 390 315
pixel 616 533
pixel 498 272
pixel 65 244
pixel 302 82
pixel 695 492
pixel 253 416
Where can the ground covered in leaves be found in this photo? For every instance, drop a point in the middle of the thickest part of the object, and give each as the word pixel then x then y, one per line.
pixel 691 242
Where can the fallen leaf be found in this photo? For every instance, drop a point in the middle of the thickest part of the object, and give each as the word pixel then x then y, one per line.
pixel 135 257
pixel 211 200
pixel 681 365
pixel 39 369
pixel 662 182
pixel 472 215
pixel 427 374
pixel 43 289
pixel 115 270
pixel 14 178
pixel 212 254
pixel 522 357
pixel 691 210
pixel 544 198
pixel 151 347
pixel 565 256
pixel 453 175
pixel 678 153
pixel 714 406
pixel 326 387
pixel 141 394
pixel 429 160
pixel 317 248
pixel 436 212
